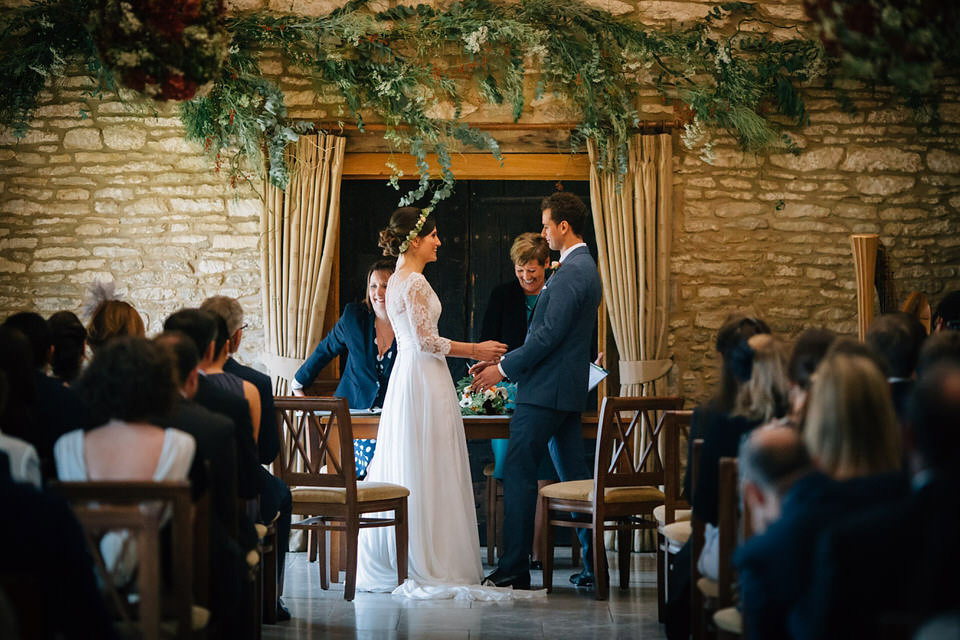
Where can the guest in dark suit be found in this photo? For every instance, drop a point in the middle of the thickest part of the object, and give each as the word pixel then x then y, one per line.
pixel 55 409
pixel 551 370
pixel 884 572
pixel 232 313
pixel 365 337
pixel 506 319
pixel 897 338
pixel 790 503
pixel 69 339
pixel 231 533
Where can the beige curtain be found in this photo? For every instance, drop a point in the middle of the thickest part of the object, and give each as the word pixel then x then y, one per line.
pixel 300 226
pixel 633 223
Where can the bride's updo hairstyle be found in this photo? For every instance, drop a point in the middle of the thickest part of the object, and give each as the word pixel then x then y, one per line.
pixel 393 239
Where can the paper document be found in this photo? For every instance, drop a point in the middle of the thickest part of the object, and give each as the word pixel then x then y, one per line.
pixel 597 374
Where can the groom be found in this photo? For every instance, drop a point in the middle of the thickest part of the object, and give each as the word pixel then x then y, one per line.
pixel 551 371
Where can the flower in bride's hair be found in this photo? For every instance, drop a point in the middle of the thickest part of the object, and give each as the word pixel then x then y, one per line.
pixel 416 229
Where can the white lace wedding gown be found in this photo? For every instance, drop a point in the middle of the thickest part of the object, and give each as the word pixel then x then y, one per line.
pixel 421 445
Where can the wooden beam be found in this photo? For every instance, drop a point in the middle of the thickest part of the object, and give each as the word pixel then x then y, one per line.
pixel 478 166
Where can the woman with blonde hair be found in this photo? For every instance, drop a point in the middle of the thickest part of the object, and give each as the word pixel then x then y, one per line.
pixel 851 427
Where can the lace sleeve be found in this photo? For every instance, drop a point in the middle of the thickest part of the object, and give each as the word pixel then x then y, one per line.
pixel 418 299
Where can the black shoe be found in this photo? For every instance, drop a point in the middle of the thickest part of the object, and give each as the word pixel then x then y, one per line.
pixel 283 614
pixel 536 565
pixel 501 579
pixel 583 579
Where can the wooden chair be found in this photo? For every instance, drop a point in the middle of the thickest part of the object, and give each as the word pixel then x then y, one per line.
pixel 673 516
pixel 102 507
pixel 316 461
pixel 494 502
pixel 621 495
pixel 717 614
pixel 697 626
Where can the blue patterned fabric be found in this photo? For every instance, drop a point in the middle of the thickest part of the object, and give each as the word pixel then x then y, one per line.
pixel 362 454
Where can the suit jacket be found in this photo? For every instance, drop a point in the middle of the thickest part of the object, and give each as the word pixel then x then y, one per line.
pixel 269 441
pixel 774 569
pixel 214 435
pixel 506 316
pixel 354 336
pixel 883 572
pixel 237 409
pixel 721 439
pixel 552 369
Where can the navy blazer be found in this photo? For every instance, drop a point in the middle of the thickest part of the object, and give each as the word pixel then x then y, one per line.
pixel 354 336
pixel 552 368
pixel 505 319
pixel 268 441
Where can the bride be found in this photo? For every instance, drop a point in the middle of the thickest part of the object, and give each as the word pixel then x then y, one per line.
pixel 420 441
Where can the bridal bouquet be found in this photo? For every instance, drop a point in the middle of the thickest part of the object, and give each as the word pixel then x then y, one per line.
pixel 498 400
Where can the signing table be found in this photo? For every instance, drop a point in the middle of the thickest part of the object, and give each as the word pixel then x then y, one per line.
pixel 365 424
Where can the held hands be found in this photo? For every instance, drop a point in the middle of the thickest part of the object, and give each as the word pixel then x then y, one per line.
pixel 485 375
pixel 488 350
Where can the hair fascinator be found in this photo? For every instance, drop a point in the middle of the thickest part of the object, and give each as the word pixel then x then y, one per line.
pixel 99 293
pixel 741 361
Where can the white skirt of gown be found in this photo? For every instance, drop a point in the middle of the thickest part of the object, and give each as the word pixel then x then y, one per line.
pixel 421 446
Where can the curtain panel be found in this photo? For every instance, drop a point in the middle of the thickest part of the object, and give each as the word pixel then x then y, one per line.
pixel 300 227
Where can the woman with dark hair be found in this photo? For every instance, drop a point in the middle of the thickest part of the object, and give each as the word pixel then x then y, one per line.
pixel 421 443
pixel 128 385
pixel 364 336
pixel 69 339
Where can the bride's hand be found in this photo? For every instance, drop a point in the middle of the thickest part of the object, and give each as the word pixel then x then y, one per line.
pixel 489 350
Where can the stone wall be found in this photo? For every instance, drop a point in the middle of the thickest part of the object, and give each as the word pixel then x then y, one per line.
pixel 118 195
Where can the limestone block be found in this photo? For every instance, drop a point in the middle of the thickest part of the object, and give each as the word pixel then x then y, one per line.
pixel 821 158
pixel 797 210
pixel 197 205
pixel 60 252
pixel 713 292
pixel 21 207
pixel 73 194
pixel 33 136
pixel 884 185
pixel 955 202
pixel 115 193
pixel 943 161
pixel 82 139
pixel 115 252
pixel 247 208
pixel 88 276
pixel 9 266
pixel 235 242
pixel 271 66
pixel 880 159
pixel 739 209
pixel 147 207
pixel 299 98
pixel 18 243
pixel 106 207
pixel 903 215
pixel 53 266
pixel 172 145
pixel 664 10
pixel 304 7
pixel 33 194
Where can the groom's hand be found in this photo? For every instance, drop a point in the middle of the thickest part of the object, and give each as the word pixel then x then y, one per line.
pixel 479 366
pixel 486 377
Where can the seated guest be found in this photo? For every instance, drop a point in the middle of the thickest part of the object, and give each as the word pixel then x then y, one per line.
pixel 50 551
pixel 275 496
pixel 851 428
pixel 939 347
pixel 736 330
pixel 897 338
pixel 364 335
pixel 55 409
pixel 110 317
pixel 946 317
pixel 23 463
pixel 809 349
pixel 230 538
pixel 69 339
pixel 505 320
pixel 229 382
pixel 128 383
pixel 232 313
pixel 763 397
pixel 884 572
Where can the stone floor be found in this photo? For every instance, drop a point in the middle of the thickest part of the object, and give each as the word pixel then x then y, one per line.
pixel 566 612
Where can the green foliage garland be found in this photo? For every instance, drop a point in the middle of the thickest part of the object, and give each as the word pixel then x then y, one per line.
pixel 400 66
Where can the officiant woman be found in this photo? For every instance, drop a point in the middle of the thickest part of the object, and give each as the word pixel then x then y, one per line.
pixel 363 335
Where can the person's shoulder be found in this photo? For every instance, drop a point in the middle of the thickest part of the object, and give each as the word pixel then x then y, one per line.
pixel 505 289
pixel 250 374
pixel 356 310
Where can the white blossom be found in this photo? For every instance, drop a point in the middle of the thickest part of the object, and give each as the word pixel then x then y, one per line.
pixel 475 39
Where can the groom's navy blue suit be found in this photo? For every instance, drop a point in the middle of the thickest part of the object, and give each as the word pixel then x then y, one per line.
pixel 551 370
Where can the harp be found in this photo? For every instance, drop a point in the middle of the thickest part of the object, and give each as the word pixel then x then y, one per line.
pixel 875 285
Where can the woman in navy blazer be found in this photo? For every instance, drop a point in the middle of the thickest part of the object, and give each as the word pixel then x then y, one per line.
pixel 364 336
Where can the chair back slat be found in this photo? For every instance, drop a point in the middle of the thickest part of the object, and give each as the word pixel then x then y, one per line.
pixel 727 529
pixel 626 424
pixel 316 436
pixel 674 424
pixel 103 506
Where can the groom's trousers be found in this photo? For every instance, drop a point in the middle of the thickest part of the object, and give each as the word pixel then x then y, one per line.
pixel 533 431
